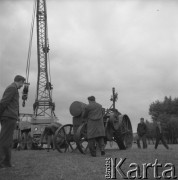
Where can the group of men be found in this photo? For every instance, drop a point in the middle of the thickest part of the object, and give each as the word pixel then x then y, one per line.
pixel 142 131
pixel 9 112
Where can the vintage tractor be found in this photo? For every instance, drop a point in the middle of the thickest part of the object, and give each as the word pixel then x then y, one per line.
pixel 118 129
pixel 28 133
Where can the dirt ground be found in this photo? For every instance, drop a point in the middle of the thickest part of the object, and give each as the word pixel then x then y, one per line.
pixel 43 165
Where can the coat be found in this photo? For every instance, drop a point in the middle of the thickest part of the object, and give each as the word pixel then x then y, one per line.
pixel 141 129
pixel 9 104
pixel 95 124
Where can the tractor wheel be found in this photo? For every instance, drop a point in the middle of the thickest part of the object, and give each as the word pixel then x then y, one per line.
pixel 124 135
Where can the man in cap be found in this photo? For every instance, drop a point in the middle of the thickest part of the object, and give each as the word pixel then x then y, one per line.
pixel 9 112
pixel 95 126
pixel 142 131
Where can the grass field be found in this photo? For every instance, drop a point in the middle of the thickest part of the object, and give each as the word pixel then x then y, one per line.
pixel 43 165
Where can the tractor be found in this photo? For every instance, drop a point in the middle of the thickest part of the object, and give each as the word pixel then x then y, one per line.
pixel 118 129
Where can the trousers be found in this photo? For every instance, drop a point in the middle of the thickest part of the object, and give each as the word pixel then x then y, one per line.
pixel 92 144
pixel 6 137
pixel 161 138
pixel 143 138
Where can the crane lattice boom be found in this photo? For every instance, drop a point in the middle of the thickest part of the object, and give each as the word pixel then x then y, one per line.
pixel 43 105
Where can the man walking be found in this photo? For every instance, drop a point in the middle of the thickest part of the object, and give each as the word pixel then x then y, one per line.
pixel 9 112
pixel 95 126
pixel 142 131
pixel 159 136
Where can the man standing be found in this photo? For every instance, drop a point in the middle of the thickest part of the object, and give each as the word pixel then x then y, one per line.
pixel 95 126
pixel 9 112
pixel 141 131
pixel 159 135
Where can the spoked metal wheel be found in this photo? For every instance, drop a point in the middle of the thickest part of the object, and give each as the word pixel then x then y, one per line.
pixel 125 131
pixel 81 138
pixel 64 139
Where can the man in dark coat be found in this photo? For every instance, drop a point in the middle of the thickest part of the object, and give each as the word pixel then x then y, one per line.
pixel 142 131
pixel 95 126
pixel 9 112
pixel 159 135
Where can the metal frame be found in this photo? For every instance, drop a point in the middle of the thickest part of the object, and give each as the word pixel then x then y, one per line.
pixel 43 105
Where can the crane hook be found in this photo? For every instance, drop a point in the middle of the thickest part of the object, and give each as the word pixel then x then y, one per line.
pixel 25 93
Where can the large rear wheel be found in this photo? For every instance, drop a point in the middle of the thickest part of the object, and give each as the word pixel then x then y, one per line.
pixel 124 134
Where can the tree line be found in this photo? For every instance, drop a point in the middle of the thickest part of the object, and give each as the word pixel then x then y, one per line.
pixel 166 112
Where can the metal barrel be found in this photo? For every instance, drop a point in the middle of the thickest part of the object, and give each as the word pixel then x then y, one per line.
pixel 76 108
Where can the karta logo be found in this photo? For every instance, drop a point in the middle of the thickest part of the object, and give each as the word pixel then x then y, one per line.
pixel 114 168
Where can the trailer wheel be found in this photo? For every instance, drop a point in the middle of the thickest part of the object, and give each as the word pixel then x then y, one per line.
pixel 64 139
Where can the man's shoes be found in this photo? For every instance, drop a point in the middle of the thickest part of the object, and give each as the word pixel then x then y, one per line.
pixel 102 153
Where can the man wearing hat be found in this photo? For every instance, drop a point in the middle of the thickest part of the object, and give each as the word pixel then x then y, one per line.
pixel 95 126
pixel 9 112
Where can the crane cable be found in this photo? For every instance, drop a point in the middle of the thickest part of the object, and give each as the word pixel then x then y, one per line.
pixel 25 90
pixel 30 43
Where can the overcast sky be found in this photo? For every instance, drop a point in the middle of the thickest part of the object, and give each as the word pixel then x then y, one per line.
pixel 95 45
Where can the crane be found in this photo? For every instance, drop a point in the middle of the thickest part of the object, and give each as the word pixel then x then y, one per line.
pixel 43 107
pixel 43 104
